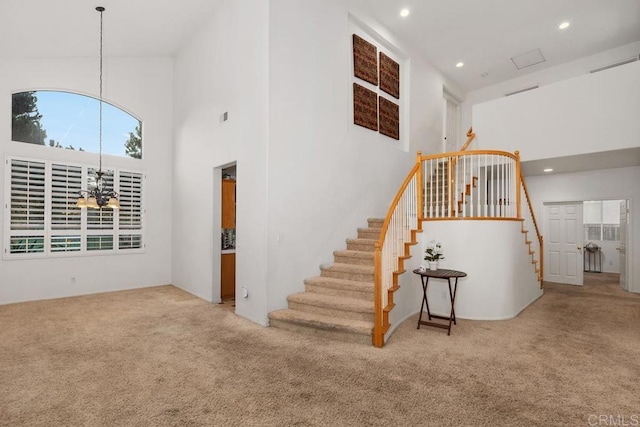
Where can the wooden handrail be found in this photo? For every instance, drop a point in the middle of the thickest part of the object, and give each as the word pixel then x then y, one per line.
pixel 535 224
pixel 518 180
pixel 470 137
pixel 533 217
pixel 378 325
pixel 385 225
pixel 467 153
pixel 420 195
pixel 378 334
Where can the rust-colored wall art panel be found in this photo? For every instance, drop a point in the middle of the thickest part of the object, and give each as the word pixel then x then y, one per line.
pixel 365 107
pixel 389 76
pixel 365 60
pixel 389 118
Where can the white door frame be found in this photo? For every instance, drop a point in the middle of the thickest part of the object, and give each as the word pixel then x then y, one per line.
pixel 216 238
pixel 631 286
pixel 622 245
pixel 449 98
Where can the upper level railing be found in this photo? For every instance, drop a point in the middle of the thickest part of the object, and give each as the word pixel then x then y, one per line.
pixel 478 184
pixel 471 184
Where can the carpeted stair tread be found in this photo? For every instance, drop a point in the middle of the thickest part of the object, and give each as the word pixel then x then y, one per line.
pixel 339 287
pixel 332 302
pixel 369 233
pixel 354 254
pixel 332 282
pixel 367 245
pixel 360 240
pixel 375 222
pixel 319 321
pixel 348 268
pixel 353 269
pixel 357 272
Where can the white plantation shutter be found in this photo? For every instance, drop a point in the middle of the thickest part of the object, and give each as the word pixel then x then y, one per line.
pixel 42 219
pixel 27 195
pixel 66 243
pixel 101 242
pixel 66 183
pixel 130 241
pixel 130 214
pixel 27 207
pixel 130 201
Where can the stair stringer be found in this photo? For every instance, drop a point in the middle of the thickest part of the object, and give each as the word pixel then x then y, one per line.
pixel 535 255
pixel 396 275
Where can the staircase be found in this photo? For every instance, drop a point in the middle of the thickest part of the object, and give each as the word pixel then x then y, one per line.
pixel 436 192
pixel 466 194
pixel 339 303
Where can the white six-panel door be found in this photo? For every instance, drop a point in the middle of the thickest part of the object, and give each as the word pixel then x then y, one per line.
pixel 563 243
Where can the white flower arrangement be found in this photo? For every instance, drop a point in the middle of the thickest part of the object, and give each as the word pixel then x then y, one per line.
pixel 434 251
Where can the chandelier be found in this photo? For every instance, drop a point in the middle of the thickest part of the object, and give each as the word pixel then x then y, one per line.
pixel 100 196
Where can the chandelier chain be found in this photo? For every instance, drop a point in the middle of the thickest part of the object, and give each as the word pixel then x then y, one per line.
pixel 100 104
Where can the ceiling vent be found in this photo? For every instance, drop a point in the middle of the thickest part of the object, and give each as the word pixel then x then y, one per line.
pixel 616 64
pixel 522 90
pixel 528 59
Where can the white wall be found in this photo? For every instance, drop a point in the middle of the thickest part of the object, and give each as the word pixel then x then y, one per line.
pixel 141 86
pixel 546 77
pixel 326 175
pixel 611 184
pixel 500 282
pixel 586 114
pixel 223 68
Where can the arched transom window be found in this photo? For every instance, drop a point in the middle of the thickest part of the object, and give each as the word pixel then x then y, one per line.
pixel 71 121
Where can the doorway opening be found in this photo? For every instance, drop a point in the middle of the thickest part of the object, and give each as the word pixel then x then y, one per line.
pixel 584 239
pixel 451 123
pixel 224 227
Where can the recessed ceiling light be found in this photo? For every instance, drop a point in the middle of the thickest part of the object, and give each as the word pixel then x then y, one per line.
pixel 404 13
pixel 460 64
pixel 564 25
pixel 548 170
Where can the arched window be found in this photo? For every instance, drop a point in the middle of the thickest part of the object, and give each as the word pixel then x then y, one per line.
pixel 71 121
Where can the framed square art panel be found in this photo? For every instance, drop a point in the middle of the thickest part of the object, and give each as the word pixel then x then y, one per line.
pixel 365 107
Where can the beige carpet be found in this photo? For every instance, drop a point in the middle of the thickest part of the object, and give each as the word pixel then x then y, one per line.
pixel 160 357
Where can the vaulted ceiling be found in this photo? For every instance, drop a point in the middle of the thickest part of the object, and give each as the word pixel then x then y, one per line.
pixel 484 34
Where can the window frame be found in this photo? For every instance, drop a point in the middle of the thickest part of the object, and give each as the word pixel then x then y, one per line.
pixel 50 231
pixel 601 225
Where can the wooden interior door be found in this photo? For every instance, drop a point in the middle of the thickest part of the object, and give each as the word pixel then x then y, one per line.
pixel 228 203
pixel 228 276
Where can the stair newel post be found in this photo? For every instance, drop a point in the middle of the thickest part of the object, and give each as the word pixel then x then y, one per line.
pixel 378 337
pixel 518 184
pixel 419 192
